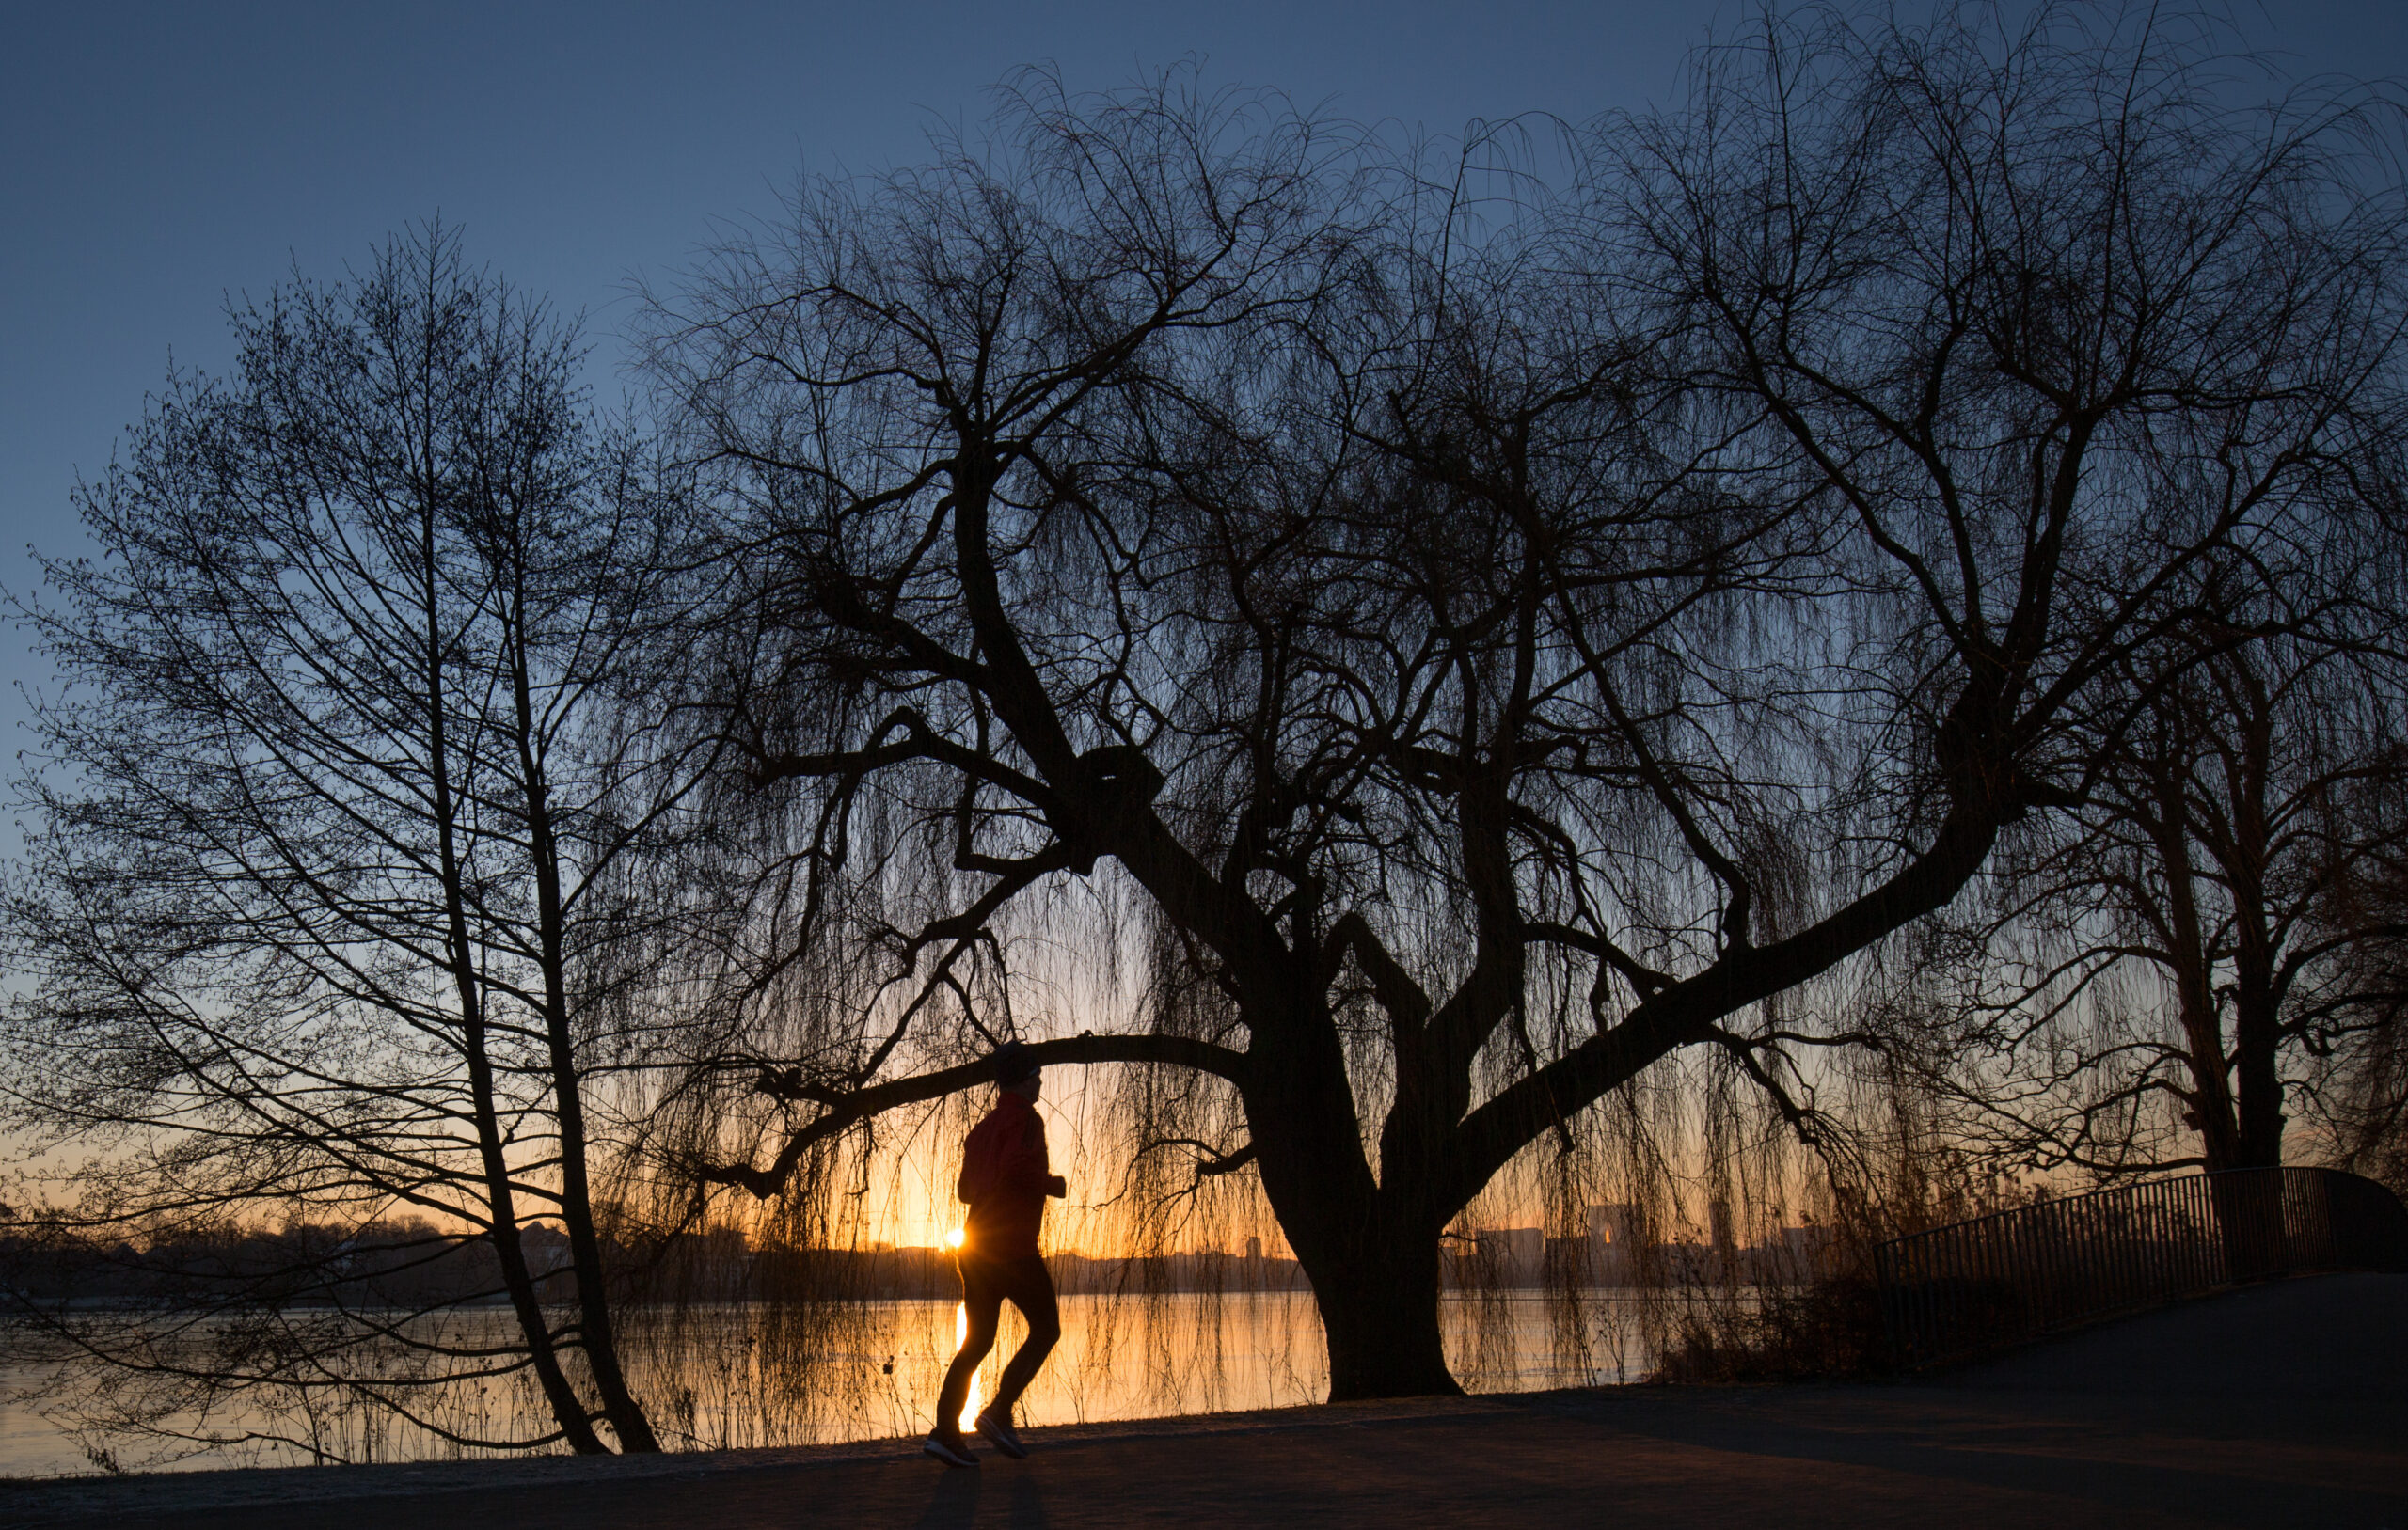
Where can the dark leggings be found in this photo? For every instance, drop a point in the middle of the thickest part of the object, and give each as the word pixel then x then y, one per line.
pixel 985 1285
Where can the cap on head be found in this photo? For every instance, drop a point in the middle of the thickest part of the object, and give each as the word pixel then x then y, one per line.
pixel 1014 1063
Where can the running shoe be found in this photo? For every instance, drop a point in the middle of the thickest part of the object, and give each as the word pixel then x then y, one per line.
pixel 952 1455
pixel 999 1432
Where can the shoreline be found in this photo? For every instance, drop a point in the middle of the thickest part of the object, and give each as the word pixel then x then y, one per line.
pixel 2278 1405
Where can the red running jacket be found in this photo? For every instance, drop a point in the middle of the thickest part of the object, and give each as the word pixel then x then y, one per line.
pixel 1006 1178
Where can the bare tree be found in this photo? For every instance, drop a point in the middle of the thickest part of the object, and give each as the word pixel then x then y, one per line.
pixel 2361 1099
pixel 2200 947
pixel 1494 664
pixel 329 913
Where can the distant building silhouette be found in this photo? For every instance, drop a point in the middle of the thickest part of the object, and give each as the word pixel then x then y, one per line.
pixel 1616 1233
pixel 1511 1255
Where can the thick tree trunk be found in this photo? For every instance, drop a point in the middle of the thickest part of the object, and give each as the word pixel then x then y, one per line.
pixel 1379 1310
pixel 2252 1205
pixel 2250 1213
pixel 2256 1060
pixel 1374 1271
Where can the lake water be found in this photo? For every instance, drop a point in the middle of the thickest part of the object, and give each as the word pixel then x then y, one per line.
pixel 720 1382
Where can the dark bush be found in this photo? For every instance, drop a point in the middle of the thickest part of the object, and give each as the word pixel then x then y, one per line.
pixel 1828 1330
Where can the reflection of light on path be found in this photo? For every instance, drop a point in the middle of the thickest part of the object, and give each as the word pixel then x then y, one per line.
pixel 960 1336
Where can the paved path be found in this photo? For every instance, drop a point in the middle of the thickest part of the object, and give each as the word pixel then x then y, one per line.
pixel 2220 1412
pixel 2337 1337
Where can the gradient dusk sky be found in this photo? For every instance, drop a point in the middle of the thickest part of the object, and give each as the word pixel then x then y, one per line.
pixel 158 158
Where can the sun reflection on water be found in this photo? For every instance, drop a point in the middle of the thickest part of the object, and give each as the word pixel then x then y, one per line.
pixel 960 1336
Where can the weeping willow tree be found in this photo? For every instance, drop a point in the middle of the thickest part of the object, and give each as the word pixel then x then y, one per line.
pixel 1483 647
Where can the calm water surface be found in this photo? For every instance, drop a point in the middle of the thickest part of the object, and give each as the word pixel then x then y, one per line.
pixel 715 1386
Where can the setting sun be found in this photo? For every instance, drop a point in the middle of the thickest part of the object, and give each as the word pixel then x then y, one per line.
pixel 953 1238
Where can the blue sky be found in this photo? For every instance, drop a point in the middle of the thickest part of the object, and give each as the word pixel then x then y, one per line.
pixel 156 158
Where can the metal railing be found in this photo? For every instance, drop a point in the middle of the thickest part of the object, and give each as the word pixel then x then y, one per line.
pixel 1957 1291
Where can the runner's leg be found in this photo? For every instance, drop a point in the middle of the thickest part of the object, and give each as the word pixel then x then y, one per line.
pixel 982 1301
pixel 1031 1288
